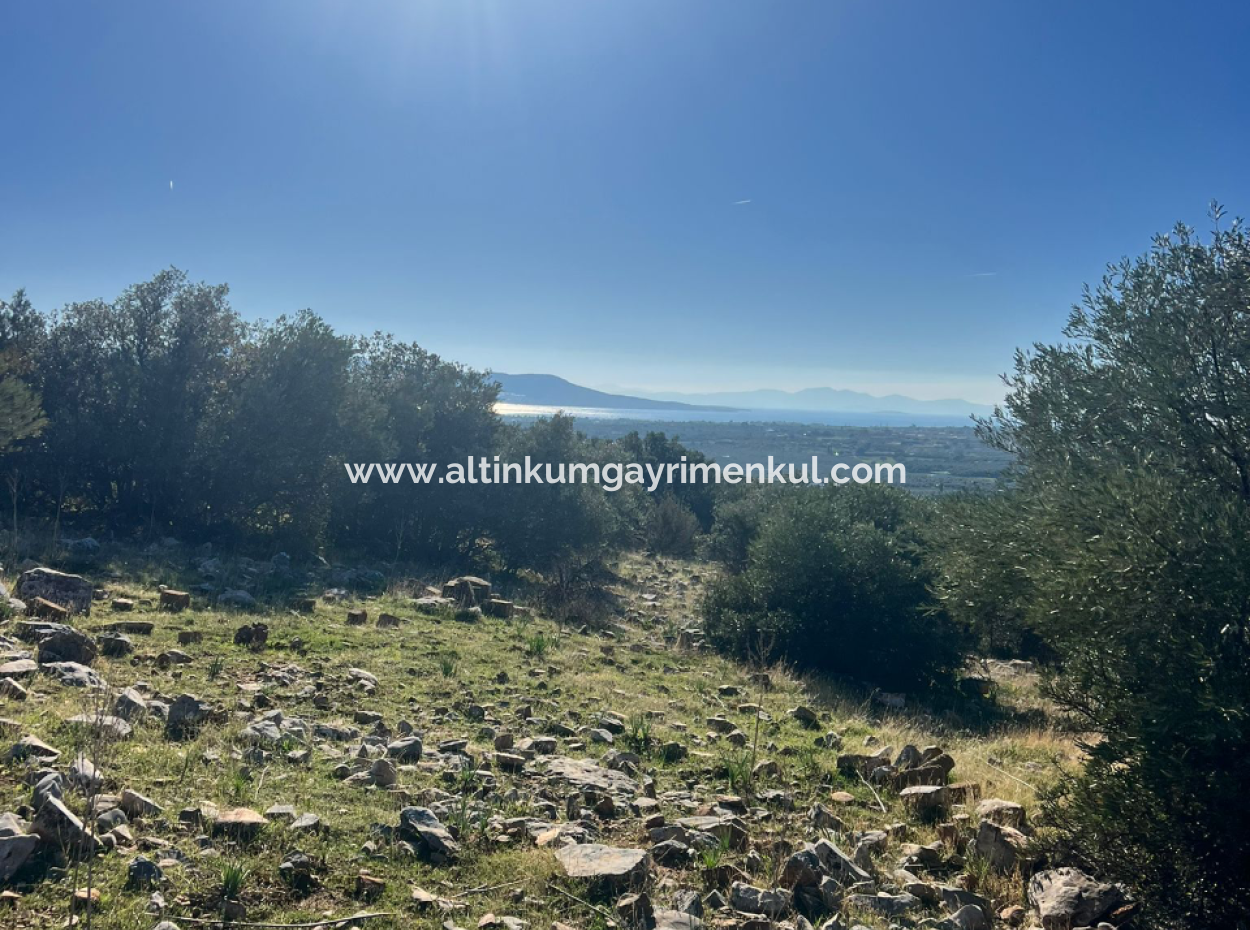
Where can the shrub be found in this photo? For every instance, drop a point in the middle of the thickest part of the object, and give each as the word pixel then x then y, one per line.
pixel 834 583
pixel 672 527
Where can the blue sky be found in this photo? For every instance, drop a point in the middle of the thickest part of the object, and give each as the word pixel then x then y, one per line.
pixel 556 186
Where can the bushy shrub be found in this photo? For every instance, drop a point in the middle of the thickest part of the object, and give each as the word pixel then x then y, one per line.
pixel 834 583
pixel 671 527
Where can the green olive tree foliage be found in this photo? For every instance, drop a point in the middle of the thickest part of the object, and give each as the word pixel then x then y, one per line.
pixel 1124 543
pixel 165 413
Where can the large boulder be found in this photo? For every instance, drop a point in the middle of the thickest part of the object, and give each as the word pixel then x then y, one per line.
pixel 72 592
pixel 1069 898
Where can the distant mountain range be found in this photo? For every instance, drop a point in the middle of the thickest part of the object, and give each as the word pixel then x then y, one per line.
pixel 828 400
pixel 551 391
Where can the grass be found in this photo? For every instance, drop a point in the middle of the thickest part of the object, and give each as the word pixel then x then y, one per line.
pixel 537 645
pixel 428 672
pixel 637 735
pixel 233 876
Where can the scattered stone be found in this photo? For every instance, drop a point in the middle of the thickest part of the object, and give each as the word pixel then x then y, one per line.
pixel 635 910
pixel 241 823
pixel 609 866
pixel 115 645
pixel 968 917
pixel 174 601
pixel 837 864
pixel 29 747
pixel 888 905
pixel 14 853
pixel 137 806
pixel 498 607
pixel 143 874
pixel 130 705
pixel 584 775
pixel 752 900
pixel 186 715
pixel 805 715
pixel 298 871
pixel 1002 847
pixel 46 609
pixel 926 801
pixel 68 645
pixel 1003 813
pixel 73 675
pixel 674 752
pixel 84 776
pixel 369 887
pixel 57 824
pixel 237 599
pixel 467 590
pixel 132 627
pixel 252 635
pixel 12 690
pixel 420 826
pixel 383 774
pixel 407 749
pixel 666 919
pixel 19 668
pixel 306 823
pixel 103 724
pixel 955 898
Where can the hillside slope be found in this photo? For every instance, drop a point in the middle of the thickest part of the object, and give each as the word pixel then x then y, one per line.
pixel 532 737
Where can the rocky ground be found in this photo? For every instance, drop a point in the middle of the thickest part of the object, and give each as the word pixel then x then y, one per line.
pixel 398 760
